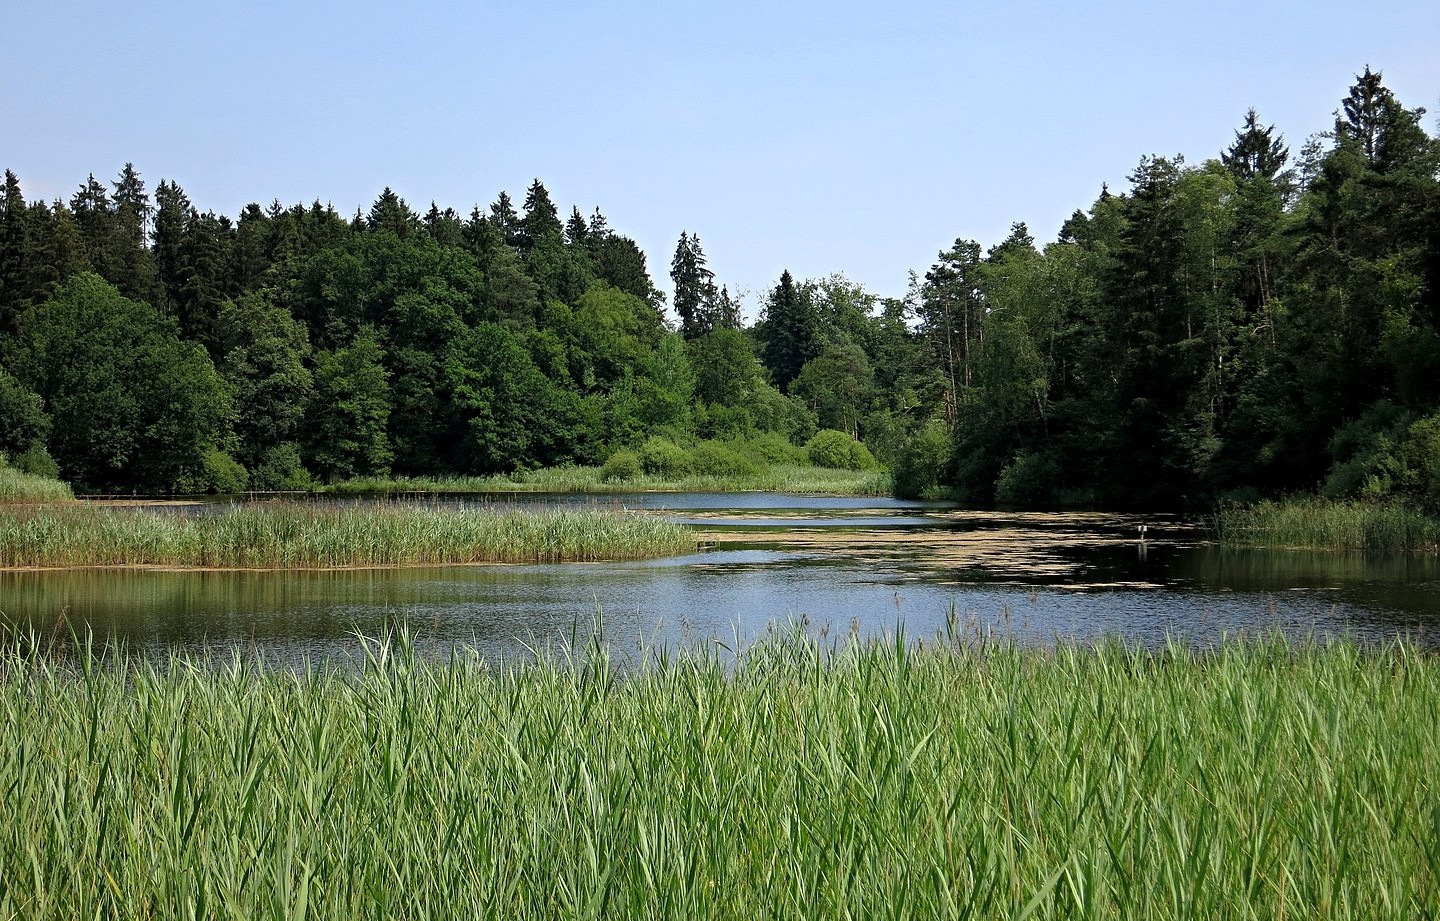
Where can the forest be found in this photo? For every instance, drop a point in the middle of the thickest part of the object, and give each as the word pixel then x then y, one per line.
pixel 1261 323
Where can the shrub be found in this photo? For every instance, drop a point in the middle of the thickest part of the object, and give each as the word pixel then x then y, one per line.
pixel 664 458
pixel 623 465
pixel 281 469
pixel 223 474
pixel 924 462
pixel 711 458
pixel 773 448
pixel 839 451
pixel 36 461
pixel 1029 479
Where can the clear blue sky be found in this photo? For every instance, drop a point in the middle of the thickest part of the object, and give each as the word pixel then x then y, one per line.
pixel 855 137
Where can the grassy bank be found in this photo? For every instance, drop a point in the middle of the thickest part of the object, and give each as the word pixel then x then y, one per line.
pixel 777 478
pixel 306 536
pixel 1315 523
pixel 1258 781
pixel 16 486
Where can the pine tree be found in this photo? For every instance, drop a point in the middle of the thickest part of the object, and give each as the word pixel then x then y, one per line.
pixel 789 337
pixel 577 231
pixel 1257 152
pixel 172 213
pixel 694 288
pixel 504 219
pixel 15 252
pixel 540 223
pixel 389 212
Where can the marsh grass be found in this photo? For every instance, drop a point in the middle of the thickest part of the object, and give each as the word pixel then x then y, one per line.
pixel 1328 524
pixel 1257 780
pixel 304 535
pixel 776 478
pixel 16 486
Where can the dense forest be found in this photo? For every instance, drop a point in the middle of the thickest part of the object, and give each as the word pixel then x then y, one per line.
pixel 1259 323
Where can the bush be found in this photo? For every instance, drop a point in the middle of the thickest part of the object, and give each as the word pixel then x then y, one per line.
pixel 773 448
pixel 839 451
pixel 663 458
pixel 281 469
pixel 924 462
pixel 623 465
pixel 1029 479
pixel 711 458
pixel 36 461
pixel 223 474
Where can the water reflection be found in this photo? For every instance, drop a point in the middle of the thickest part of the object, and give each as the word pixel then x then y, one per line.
pixel 864 564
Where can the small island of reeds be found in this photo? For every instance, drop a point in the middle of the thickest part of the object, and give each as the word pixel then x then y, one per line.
pixel 1328 524
pixel 327 535
pixel 1259 779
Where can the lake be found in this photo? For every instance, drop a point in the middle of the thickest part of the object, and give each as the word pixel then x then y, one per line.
pixel 832 566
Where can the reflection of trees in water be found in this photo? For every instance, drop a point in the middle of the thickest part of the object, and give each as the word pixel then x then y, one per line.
pixel 1277 570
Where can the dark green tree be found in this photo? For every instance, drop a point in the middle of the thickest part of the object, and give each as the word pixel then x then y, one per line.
pixel 348 418
pixel 789 336
pixel 694 297
pixel 134 407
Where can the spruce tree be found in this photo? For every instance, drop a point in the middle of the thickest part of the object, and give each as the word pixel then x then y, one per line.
pixel 789 336
pixel 694 288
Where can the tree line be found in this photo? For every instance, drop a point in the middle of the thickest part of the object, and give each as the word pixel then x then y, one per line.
pixel 1251 325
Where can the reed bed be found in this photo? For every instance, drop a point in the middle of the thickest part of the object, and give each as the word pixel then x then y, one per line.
pixel 305 535
pixel 1315 523
pixel 1256 780
pixel 16 486
pixel 777 478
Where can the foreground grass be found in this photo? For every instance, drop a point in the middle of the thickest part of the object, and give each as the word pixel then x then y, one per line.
pixel 1256 781
pixel 16 486
pixel 777 478
pixel 304 535
pixel 1328 524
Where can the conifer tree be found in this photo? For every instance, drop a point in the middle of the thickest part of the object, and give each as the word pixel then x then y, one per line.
pixel 789 337
pixel 694 288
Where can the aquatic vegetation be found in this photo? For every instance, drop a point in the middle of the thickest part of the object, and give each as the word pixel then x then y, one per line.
pixel 1328 524
pixel 805 780
pixel 18 486
pixel 788 478
pixel 306 535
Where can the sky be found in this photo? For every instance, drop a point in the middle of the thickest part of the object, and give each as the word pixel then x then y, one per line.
pixel 853 137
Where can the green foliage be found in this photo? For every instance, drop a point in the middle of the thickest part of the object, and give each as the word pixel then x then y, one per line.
pixel 281 469
pixel 133 406
pixel 717 459
pixel 348 419
pixel 837 385
pixel 1254 780
pixel 36 461
pixel 1328 524
pixel 318 535
pixel 924 462
pixel 838 451
pixel 622 466
pixel 1028 480
pixel 265 364
pixel 23 421
pixel 789 335
pixel 31 479
pixel 663 458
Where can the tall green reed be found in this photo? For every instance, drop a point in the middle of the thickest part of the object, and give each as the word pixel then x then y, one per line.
pixel 295 535
pixel 871 780
pixel 1328 524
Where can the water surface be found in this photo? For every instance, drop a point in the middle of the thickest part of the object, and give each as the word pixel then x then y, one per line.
pixel 834 566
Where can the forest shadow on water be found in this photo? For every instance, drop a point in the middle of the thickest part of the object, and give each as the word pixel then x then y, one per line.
pixel 831 567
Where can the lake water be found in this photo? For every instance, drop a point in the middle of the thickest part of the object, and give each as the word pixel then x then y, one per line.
pixel 832 566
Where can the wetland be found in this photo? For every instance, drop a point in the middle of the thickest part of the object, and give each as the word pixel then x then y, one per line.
pixel 834 566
